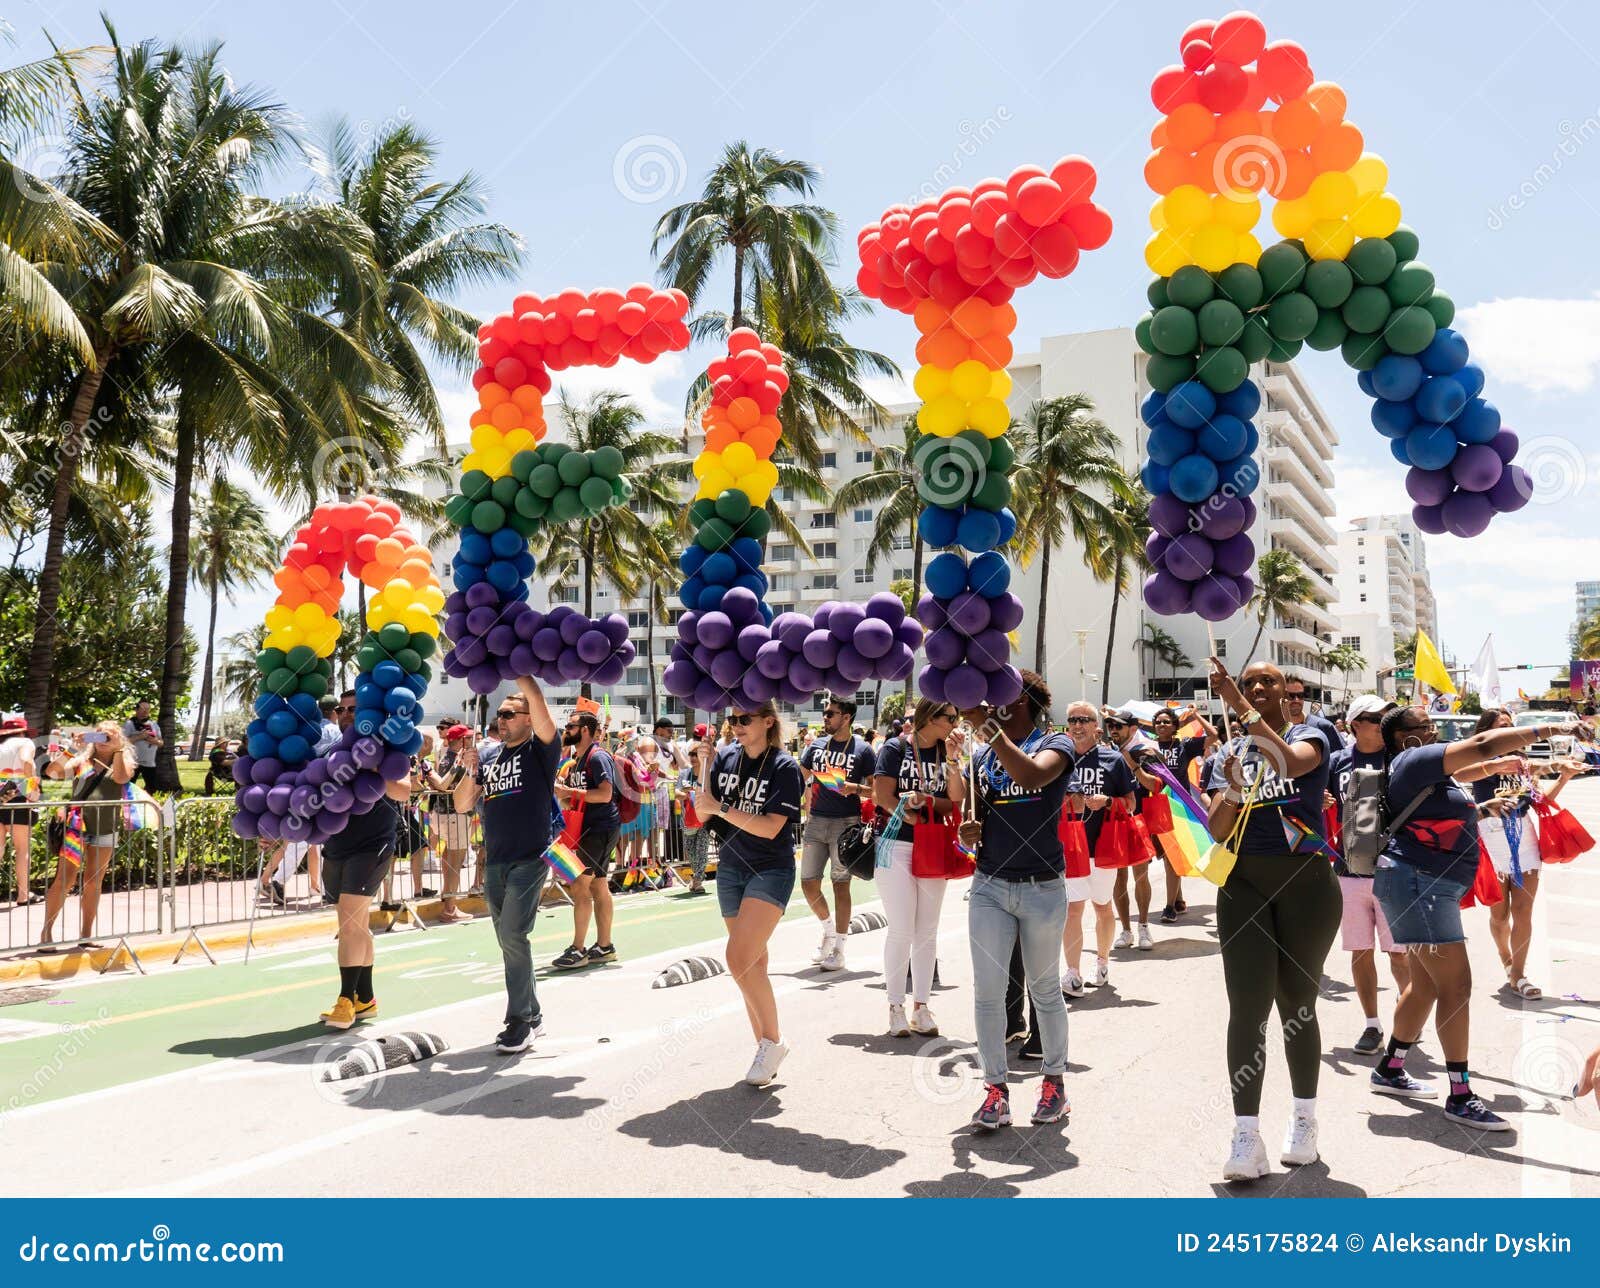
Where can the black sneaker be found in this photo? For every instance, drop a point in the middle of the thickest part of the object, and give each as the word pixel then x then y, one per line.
pixel 1052 1106
pixel 1472 1112
pixel 1369 1043
pixel 1401 1083
pixel 389 905
pixel 573 957
pixel 1032 1048
pixel 518 1035
pixel 426 893
pixel 1169 915
pixel 599 954
pixel 278 900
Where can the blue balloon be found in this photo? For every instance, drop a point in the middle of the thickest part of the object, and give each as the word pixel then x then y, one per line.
pixel 1440 399
pixel 1478 422
pixel 1397 376
pixel 978 529
pixel 1167 444
pixel 280 724
pixel 412 744
pixel 1153 407
pixel 294 750
pixel 416 684
pixel 1364 383
pixel 466 578
pixel 388 674
pixel 1252 439
pixel 689 592
pixel 1008 525
pixel 1241 475
pixel 1243 401
pixel 693 556
pixel 370 719
pixel 475 547
pixel 747 553
pixel 1446 352
pixel 507 543
pixel 1223 438
pixel 1430 446
pixel 1157 478
pixel 719 570
pixel 399 700
pixel 711 599
pixel 990 574
pixel 368 693
pixel 1471 378
pixel 1194 478
pixel 755 582
pixel 946 575
pixel 937 525
pixel 267 703
pixel 523 563
pixel 305 706
pixel 1190 404
pixel 502 574
pixel 766 614
pixel 1393 419
pixel 1398 450
pixel 255 727
pixel 262 745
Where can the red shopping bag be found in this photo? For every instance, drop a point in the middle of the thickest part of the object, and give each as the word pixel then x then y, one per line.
pixel 1141 834
pixel 1118 843
pixel 933 848
pixel 1561 837
pixel 1074 842
pixel 1485 887
pixel 1157 814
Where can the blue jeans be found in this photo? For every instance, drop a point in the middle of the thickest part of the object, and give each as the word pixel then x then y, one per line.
pixel 513 891
pixel 998 914
pixel 1420 908
pixel 736 883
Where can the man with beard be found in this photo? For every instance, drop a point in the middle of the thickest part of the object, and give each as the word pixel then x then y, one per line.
pixel 589 785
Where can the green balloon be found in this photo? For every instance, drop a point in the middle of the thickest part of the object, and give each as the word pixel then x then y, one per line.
pixel 1190 287
pixel 1410 283
pixel 595 493
pixel 994 493
pixel 1255 341
pixel 488 516
pixel 393 636
pixel 422 645
pixel 504 490
pixel 269 660
pixel 606 461
pixel 1174 330
pixel 523 464
pixel 977 445
pixel 733 505
pixel 1165 372
pixel 545 480
pixel 1221 322
pixel 369 655
pixel 564 505
pixel 1002 455
pixel 1363 352
pixel 701 510
pixel 1371 260
pixel 1242 284
pixel 553 452
pixel 1282 268
pixel 300 659
pixel 524 524
pixel 622 490
pixel 1222 369
pixel 1291 316
pixel 1405 241
pixel 475 485
pixel 458 509
pixel 314 684
pixel 426 672
pixel 530 504
pixel 283 681
pixel 1329 283
pixel 573 468
pixel 1441 308
pixel 1410 329
pixel 757 525
pixel 714 533
pixel 408 658
pixel 1141 334
pixel 1329 332
pixel 1156 293
pixel 1284 350
pixel 1366 310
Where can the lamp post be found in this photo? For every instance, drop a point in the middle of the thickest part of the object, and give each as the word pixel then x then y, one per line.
pixel 1083 665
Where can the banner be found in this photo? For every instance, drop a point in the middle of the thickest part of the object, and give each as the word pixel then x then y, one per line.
pixel 1585 678
pixel 1430 667
pixel 1486 674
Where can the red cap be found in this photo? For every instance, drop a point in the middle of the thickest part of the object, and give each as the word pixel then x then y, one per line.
pixel 456 732
pixel 701 730
pixel 14 724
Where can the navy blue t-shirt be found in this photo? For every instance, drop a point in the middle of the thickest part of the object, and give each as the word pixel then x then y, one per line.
pixel 1441 835
pixel 587 773
pixel 1339 766
pixel 1100 771
pixel 514 794
pixel 766 784
pixel 1180 753
pixel 369 835
pixel 1020 837
pixel 854 757
pixel 1277 797
pixel 923 773
pixel 1513 785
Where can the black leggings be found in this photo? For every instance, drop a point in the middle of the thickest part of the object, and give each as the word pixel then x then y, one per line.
pixel 1276 916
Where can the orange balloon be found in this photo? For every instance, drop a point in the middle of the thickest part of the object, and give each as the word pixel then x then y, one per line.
pixel 327 601
pixel 479 417
pixel 929 316
pixel 946 348
pixel 286 578
pixel 1337 147
pixel 507 416
pixel 1239 124
pixel 993 351
pixel 762 441
pixel 1292 179
pixel 390 552
pixel 1295 124
pixel 1189 125
pixel 743 413
pixel 294 596
pixel 973 317
pixel 1203 168
pixel 375 574
pixel 1329 101
pixel 1158 134
pixel 317 577
pixel 1166 169
pixel 528 398
pixel 769 422
pixel 492 395
pixel 416 568
pixel 721 437
pixel 1005 320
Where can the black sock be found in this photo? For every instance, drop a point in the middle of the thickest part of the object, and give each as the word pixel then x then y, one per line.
pixel 1460 1088
pixel 363 983
pixel 1393 1060
pixel 347 981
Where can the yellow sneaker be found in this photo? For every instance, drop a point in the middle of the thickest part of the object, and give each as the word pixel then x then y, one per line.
pixel 367 1010
pixel 342 1016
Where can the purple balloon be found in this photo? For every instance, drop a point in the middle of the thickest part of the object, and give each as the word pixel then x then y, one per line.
pixel 253 799
pixel 1005 686
pixel 610 671
pixel 615 626
pixel 714 629
pixel 247 826
pixel 593 647
pixel 898 664
pixel 367 754
pixel 701 655
pixel 944 647
pixel 679 678
pixel 741 605
pixel 687 627
pixel 824 614
pixel 547 643
pixel 887 607
pixel 851 664
pixel 1190 556
pixel 500 641
pixel 241 771
pixel 792 629
pixel 1466 514
pixel 527 623
pixel 820 649
pixel 572 628
pixel 523 659
pixel 559 614
pixel 1155 547
pixel 772 660
pixel 989 650
pixel 483 678
pixel 267 825
pixel 709 696
pixel 394 765
pixel 966 686
pixel 1005 611
pixel 455 602
pixel 804 676
pixel 873 638
pixel 1223 516
pixel 844 619
pixel 1235 556
pixel 1429 518
pixel 1428 487
pixel 1505 444
pixel 482 594
pixel 471 652
pixel 1216 598
pixel 727 668
pixel 455 625
pixel 792 693
pixel 278 799
pixel 930 683
pixel 836 682
pixel 571 666
pixel 909 633
pixel 480 621
pixel 1477 468
pixel 1169 516
pixel 758 688
pixel 969 612
pixel 930 612
pixel 1513 491
pixel 338 799
pixel 750 640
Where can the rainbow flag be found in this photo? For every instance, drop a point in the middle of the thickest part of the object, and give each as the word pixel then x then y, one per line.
pixel 831 776
pixel 72 844
pixel 1523 696
pixel 1302 838
pixel 1190 838
pixel 563 861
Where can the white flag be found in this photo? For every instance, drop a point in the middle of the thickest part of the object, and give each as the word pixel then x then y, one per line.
pixel 1486 674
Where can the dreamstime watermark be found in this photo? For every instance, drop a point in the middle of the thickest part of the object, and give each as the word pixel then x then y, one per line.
pixel 1203 1113
pixel 41 169
pixel 1557 468
pixel 649 168
pixel 1248 164
pixel 1573 139
pixel 75 1039
pixel 943 1073
pixel 33 489
pixel 348 1072
pixel 160 1248
pixel 676 1035
pixel 973 138
pixel 949 470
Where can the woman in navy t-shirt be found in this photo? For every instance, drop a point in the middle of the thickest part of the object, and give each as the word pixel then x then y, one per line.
pixel 753 786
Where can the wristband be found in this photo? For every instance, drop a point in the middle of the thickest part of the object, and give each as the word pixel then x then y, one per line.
pixel 1250 717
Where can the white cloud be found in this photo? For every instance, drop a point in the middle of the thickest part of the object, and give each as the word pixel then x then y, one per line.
pixel 1360 490
pixel 889 391
pixel 1548 346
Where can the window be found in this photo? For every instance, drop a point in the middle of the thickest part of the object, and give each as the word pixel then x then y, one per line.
pixel 902 574
pixel 863 576
pixel 900 543
pixel 1222 648
pixel 638 619
pixel 830 460
pixel 1361 559
pixel 826 550
pixel 1351 641
pixel 782 581
pixel 782 608
pixel 635 676
pixel 862 516
pixel 1361 580
pixel 1363 599
pixel 824 581
pixel 863 456
pixel 825 519
pixel 566 595
pixel 782 552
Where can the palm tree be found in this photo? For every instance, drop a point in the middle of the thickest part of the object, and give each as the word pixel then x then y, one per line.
pixel 1346 659
pixel 1066 463
pixel 666 532
pixel 233 549
pixel 1281 584
pixel 352 626
pixel 1125 538
pixel 1166 648
pixel 1588 637
pixel 240 678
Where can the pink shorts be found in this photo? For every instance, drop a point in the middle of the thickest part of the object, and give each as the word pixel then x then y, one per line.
pixel 1362 916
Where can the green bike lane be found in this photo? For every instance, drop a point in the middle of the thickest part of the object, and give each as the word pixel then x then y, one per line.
pixel 118 1031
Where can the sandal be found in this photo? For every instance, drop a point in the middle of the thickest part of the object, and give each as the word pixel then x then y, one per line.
pixel 1527 990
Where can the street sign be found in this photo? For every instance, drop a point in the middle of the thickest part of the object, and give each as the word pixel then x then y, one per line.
pixel 1404 673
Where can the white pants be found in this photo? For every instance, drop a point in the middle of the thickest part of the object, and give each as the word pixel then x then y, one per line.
pixel 912 906
pixel 293 852
pixel 1493 832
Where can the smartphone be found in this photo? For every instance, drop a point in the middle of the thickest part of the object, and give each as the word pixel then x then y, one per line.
pixel 94 736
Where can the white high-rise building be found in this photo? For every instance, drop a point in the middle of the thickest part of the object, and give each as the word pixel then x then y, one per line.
pixel 1586 605
pixel 1385 594
pixel 1293 503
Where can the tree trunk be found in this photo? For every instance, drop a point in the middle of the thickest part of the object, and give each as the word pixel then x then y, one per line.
pixel 1044 591
pixel 1254 645
pixel 197 745
pixel 1111 632
pixel 916 592
pixel 176 660
pixel 587 689
pixel 650 650
pixel 37 700
pixel 737 320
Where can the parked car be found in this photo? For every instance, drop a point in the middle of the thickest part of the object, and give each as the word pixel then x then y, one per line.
pixel 1554 747
pixel 1453 728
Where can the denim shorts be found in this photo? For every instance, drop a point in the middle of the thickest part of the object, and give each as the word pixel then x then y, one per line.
pixel 1420 908
pixel 736 883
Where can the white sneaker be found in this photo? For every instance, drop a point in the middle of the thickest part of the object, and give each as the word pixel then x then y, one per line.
pixel 1072 985
pixel 1300 1142
pixel 824 946
pixel 833 959
pixel 898 1028
pixel 769 1055
pixel 1247 1159
pixel 1102 973
pixel 1145 942
pixel 922 1022
pixel 1124 939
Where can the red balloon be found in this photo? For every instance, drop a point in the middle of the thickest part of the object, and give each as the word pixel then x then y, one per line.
pixel 524 303
pixel 946 286
pixel 741 339
pixel 557 329
pixel 916 276
pixel 954 214
pixel 530 328
pixel 586 325
pixel 1076 178
pixel 1017 272
pixel 996 292
pixel 1285 70
pixel 1201 30
pixel 1055 250
pixel 1011 235
pixel 972 247
pixel 631 317
pixel 509 373
pixel 569 301
pixel 639 292
pixel 1239 37
pixel 1040 201
pixel 1173 87
pixel 574 352
pixel 1196 54
pixel 605 302
pixel 504 328
pixel 1223 86
pixel 986 211
pixel 1020 176
pixel 1090 225
pixel 923 226
pixel 939 249
pixel 481 377
pixel 492 350
pixel 539 378
pixel 750 365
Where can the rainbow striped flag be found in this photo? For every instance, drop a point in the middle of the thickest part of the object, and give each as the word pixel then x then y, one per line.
pixel 1302 838
pixel 72 843
pixel 831 776
pixel 563 861
pixel 1190 838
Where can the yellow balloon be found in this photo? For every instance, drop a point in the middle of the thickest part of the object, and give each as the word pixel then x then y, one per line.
pixel 431 598
pixel 1293 218
pixel 1249 250
pixel 495 462
pixel 1158 214
pixel 1376 216
pixel 485 437
pixel 417 619
pixel 377 616
pixel 519 440
pixel 1186 207
pixel 471 461
pixel 328 641
pixel 278 640
pixel 705 461
pixel 765 474
pixel 1329 239
pixel 738 458
pixel 1214 247
pixel 1332 195
pixel 398 593
pixel 945 415
pixel 1370 173
pixel 309 616
pixel 989 415
pixel 930 382
pixel 1236 210
pixel 970 380
pixel 1000 385
pixel 1165 253
pixel 717 480
pixel 278 617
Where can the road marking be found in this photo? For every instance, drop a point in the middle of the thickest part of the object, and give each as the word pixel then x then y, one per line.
pixel 17 1030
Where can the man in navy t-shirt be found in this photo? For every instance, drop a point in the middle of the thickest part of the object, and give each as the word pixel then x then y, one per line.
pixel 590 784
pixel 835 808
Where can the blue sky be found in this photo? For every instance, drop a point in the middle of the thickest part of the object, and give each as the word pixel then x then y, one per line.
pixel 587 121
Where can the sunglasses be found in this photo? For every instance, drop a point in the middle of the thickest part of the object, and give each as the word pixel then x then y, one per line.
pixel 506 713
pixel 742 721
pixel 946 715
pixel 1115 724
pixel 1294 697
pixel 351 707
pixel 1088 720
pixel 832 715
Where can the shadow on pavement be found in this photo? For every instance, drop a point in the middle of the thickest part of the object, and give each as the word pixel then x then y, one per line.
pixel 1103 998
pixel 1042 1151
pixel 1173 948
pixel 1309 1182
pixel 734 1120
pixel 245 1046
pixel 1427 1122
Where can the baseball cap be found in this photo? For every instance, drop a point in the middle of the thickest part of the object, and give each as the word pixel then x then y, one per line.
pixel 14 724
pixel 702 730
pixel 1368 704
pixel 456 732
pixel 1123 716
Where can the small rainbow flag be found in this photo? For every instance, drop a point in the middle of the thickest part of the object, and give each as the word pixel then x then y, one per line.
pixel 563 861
pixel 1302 838
pixel 1190 838
pixel 72 844
pixel 831 776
